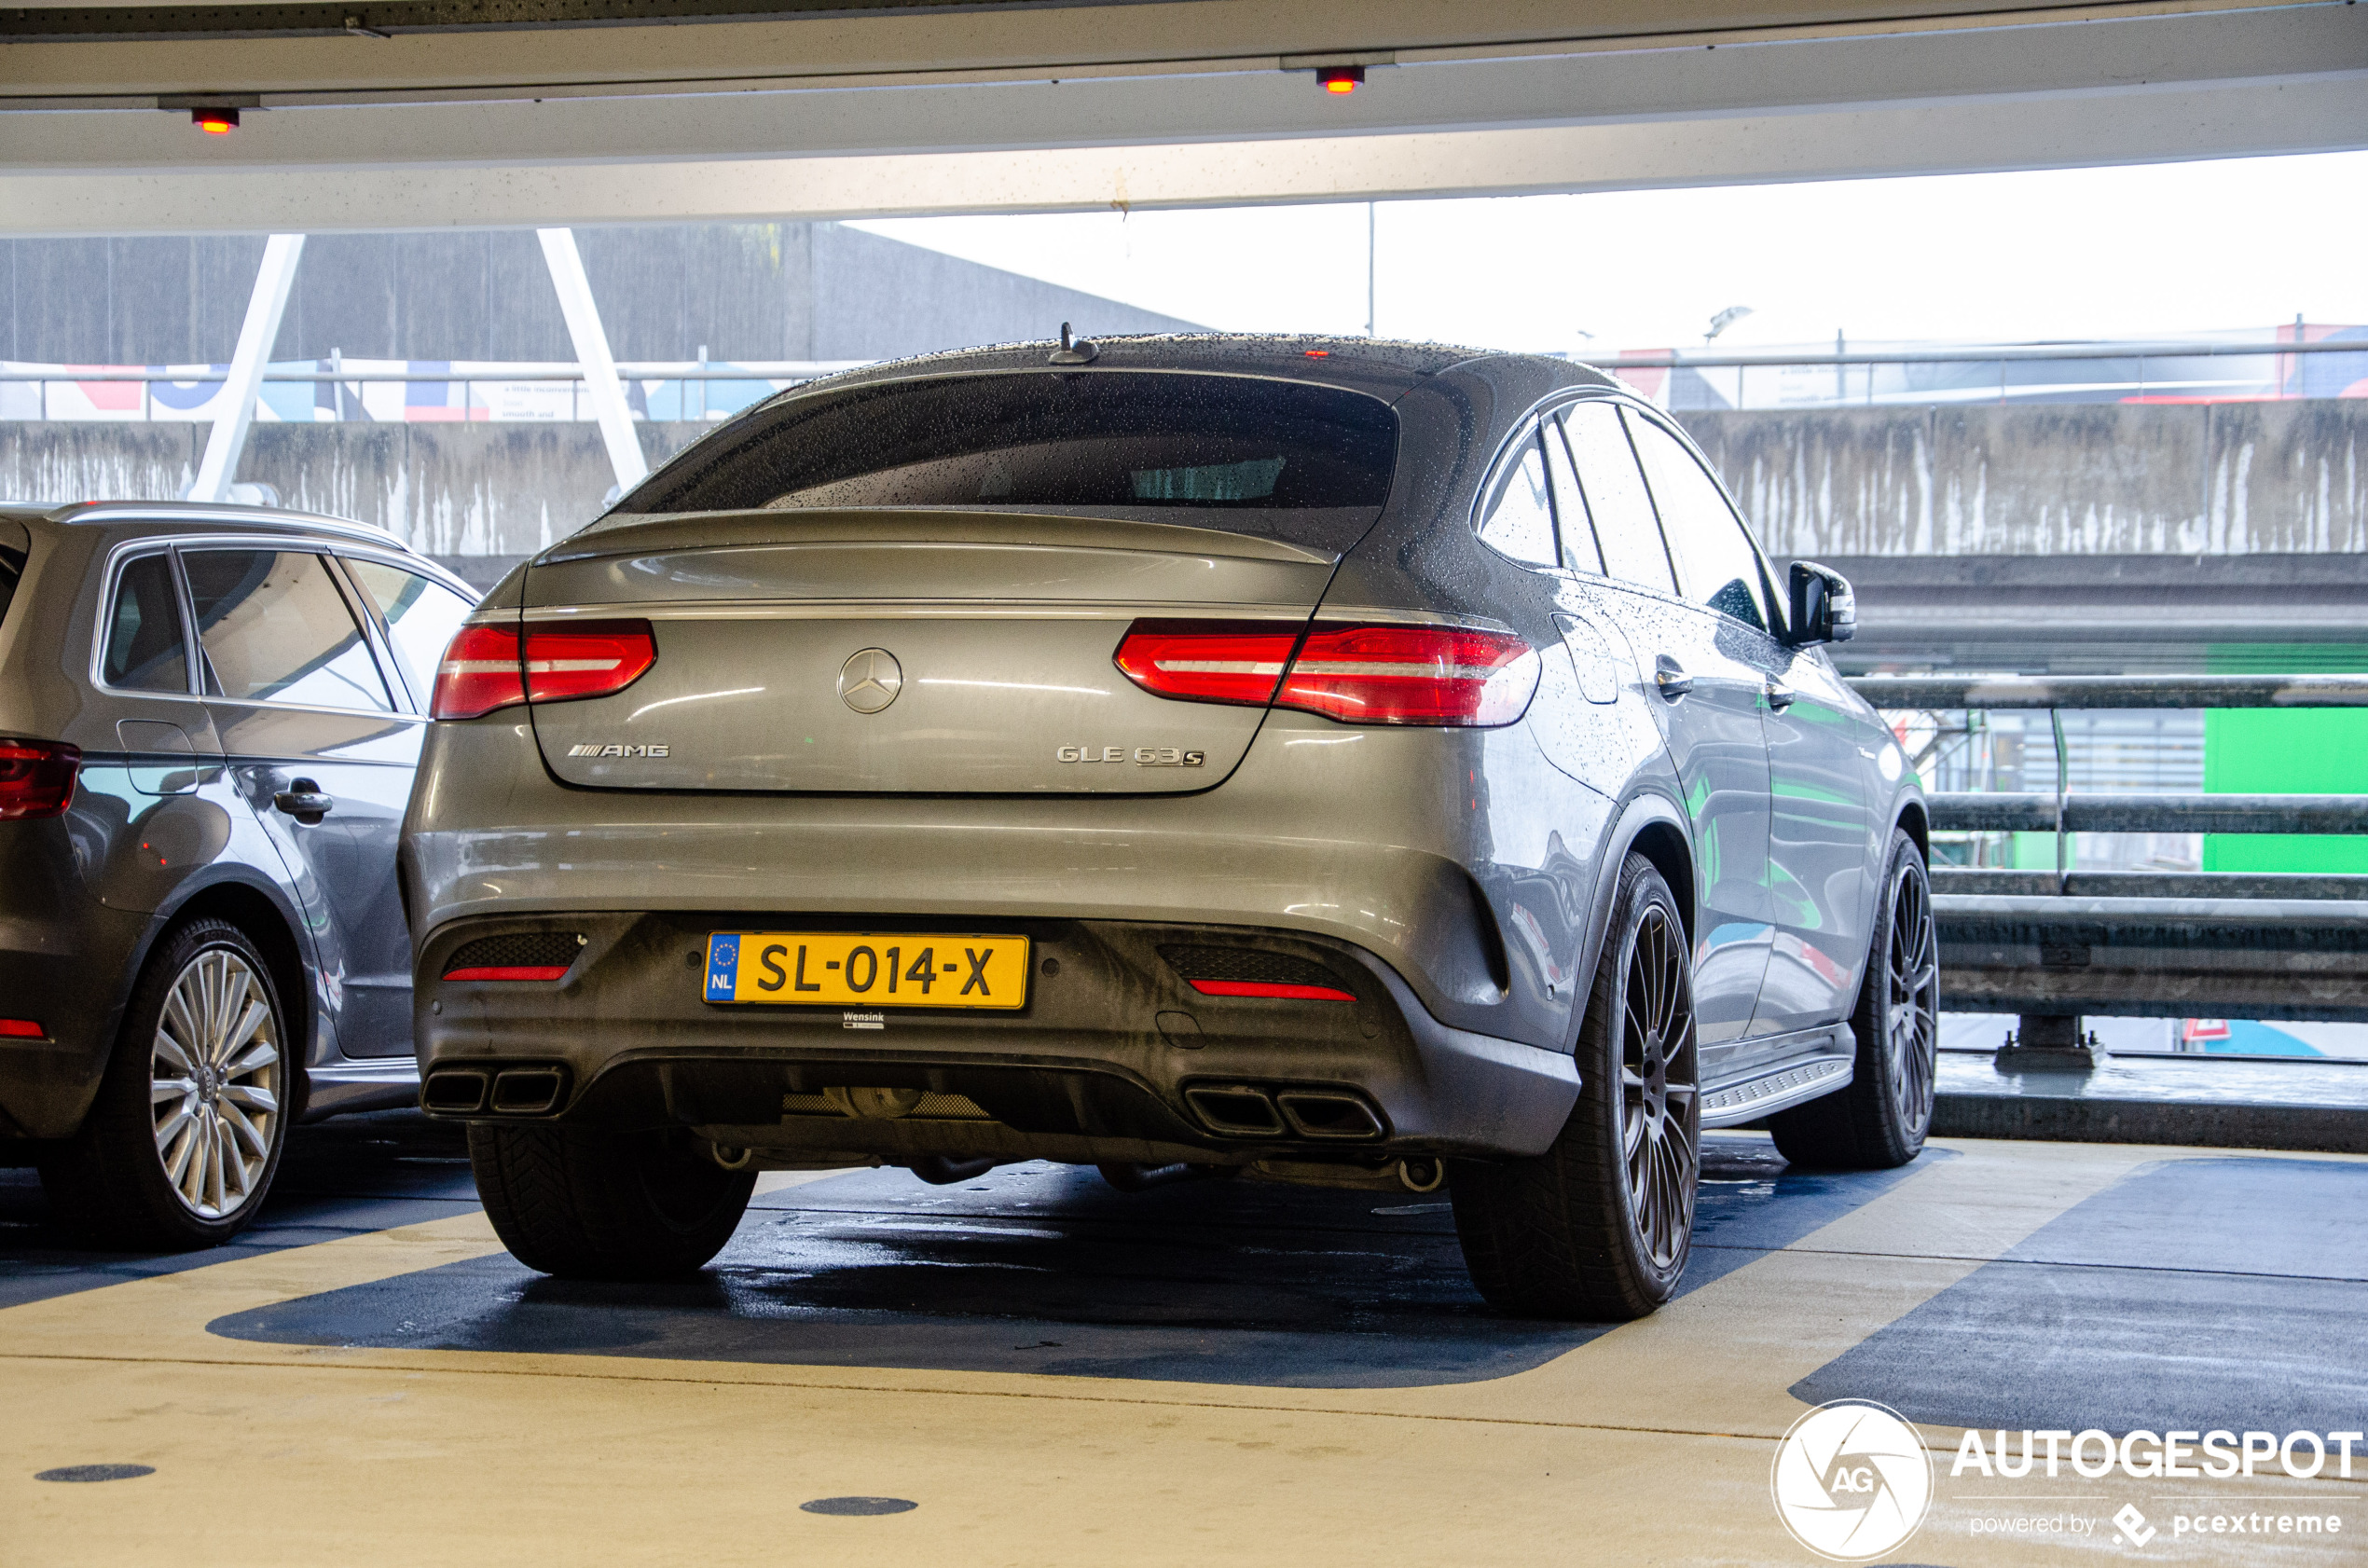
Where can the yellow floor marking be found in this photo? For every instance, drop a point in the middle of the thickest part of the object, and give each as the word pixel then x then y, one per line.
pixel 1651 1443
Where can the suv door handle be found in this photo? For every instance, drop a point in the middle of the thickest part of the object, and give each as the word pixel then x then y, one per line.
pixel 1779 696
pixel 303 800
pixel 1670 678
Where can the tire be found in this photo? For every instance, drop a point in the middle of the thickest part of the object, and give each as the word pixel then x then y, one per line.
pixel 1880 1121
pixel 152 1169
pixel 597 1202
pixel 1598 1227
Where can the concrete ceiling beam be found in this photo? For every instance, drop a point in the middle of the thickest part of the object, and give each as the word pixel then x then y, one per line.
pixel 2133 126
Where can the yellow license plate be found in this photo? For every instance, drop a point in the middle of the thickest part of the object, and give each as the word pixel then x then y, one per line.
pixel 867 968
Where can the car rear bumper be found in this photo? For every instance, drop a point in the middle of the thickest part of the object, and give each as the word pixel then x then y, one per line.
pixel 63 957
pixel 1115 1056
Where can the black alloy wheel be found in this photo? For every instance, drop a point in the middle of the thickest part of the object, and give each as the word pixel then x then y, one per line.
pixel 1598 1229
pixel 1881 1119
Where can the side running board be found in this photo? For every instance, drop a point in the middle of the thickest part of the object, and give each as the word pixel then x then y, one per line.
pixel 1731 1104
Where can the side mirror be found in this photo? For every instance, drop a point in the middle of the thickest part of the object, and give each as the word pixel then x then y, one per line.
pixel 1824 609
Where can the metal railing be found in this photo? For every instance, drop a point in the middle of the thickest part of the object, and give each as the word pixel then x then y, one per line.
pixel 2051 946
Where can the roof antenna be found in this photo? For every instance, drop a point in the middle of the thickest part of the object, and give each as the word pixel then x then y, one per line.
pixel 1074 350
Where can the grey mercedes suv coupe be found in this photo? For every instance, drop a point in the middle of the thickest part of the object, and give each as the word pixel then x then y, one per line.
pixel 1310 759
pixel 208 720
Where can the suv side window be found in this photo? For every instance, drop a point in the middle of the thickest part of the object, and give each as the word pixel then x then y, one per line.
pixel 1519 521
pixel 421 618
pixel 1716 565
pixel 274 629
pixel 1581 552
pixel 1625 528
pixel 144 648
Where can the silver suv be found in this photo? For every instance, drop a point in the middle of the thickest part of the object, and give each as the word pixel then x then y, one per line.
pixel 209 719
pixel 1317 761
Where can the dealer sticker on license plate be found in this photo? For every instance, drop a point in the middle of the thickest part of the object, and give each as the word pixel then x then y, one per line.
pixel 867 968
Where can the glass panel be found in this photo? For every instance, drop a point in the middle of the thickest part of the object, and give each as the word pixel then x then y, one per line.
pixel 1581 552
pixel 1289 458
pixel 1715 562
pixel 1520 515
pixel 145 650
pixel 275 629
pixel 1625 528
pixel 421 617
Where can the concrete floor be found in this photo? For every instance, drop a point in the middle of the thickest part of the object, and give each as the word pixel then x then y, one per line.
pixel 1054 1372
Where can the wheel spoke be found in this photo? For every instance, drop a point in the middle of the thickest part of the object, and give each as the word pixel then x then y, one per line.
pixel 263 1054
pixel 246 1131
pixel 255 1017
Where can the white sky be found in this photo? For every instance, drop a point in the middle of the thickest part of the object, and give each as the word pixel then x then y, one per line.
pixel 2157 250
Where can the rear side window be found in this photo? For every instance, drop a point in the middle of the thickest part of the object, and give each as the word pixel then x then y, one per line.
pixel 1625 528
pixel 421 617
pixel 1716 565
pixel 1520 521
pixel 1123 440
pixel 144 646
pixel 274 629
pixel 10 566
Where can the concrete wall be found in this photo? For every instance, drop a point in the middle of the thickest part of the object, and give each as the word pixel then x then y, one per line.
pixel 2229 478
pixel 2084 479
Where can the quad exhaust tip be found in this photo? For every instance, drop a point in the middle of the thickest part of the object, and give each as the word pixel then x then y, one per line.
pixel 502 1091
pixel 1249 1111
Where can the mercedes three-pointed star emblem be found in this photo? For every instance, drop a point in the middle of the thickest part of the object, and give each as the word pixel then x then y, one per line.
pixel 870 679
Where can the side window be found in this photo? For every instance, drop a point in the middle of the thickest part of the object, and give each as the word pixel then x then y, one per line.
pixel 1580 550
pixel 421 617
pixel 1625 528
pixel 1716 565
pixel 144 652
pixel 1521 515
pixel 274 629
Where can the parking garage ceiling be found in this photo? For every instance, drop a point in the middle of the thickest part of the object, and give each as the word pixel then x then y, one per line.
pixel 424 112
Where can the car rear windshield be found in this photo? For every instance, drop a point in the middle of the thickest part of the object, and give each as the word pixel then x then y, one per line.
pixel 1129 442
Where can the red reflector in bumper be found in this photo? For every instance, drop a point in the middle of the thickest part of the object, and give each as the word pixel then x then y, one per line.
pixel 21 1028
pixel 1271 988
pixel 509 971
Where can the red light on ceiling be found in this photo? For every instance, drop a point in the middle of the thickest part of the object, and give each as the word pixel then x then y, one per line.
pixel 1317 354
pixel 1342 79
pixel 214 122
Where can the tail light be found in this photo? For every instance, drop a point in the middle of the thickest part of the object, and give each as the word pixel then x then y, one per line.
pixel 487 668
pixel 37 778
pixel 480 672
pixel 587 658
pixel 1357 674
pixel 1208 661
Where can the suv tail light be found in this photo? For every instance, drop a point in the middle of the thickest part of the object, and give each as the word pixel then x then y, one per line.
pixel 37 778
pixel 486 667
pixel 585 658
pixel 1208 661
pixel 480 672
pixel 1357 674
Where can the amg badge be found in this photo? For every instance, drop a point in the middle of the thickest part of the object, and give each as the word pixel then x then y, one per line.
pixel 593 749
pixel 1141 756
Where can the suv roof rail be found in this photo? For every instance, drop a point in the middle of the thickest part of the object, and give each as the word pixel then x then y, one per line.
pixel 222 511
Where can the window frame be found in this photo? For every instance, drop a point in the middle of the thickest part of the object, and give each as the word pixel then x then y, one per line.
pixel 1778 628
pixel 193 651
pixel 374 624
pixel 103 617
pixel 1501 469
